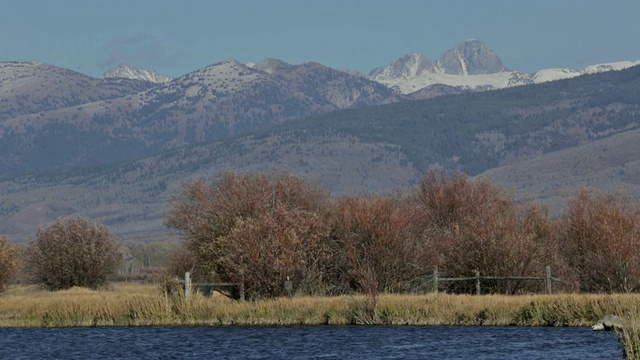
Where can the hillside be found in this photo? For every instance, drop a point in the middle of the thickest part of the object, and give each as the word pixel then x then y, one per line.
pixel 212 103
pixel 34 87
pixel 477 131
pixel 373 149
pixel 608 164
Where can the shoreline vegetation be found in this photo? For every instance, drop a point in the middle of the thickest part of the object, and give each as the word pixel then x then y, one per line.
pixel 129 304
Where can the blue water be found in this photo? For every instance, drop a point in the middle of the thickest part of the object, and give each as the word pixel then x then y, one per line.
pixel 307 342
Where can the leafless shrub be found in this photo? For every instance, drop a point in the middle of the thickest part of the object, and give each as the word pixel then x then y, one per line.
pixel 228 223
pixel 264 250
pixel 181 261
pixel 376 247
pixel 72 252
pixel 261 228
pixel 9 262
pixel 477 227
pixel 600 240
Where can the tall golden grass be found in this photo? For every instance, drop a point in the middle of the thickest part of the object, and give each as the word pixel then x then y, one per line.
pixel 148 305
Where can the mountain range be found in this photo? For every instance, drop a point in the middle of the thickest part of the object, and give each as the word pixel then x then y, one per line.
pixel 116 148
pixel 471 65
pixel 84 121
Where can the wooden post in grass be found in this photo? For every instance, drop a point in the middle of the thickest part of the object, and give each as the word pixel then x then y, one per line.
pixel 548 279
pixel 435 280
pixel 477 273
pixel 288 286
pixel 242 285
pixel 187 285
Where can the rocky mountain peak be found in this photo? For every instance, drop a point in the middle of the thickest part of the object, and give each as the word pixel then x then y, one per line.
pixel 471 57
pixel 271 65
pixel 227 69
pixel 129 72
pixel 409 66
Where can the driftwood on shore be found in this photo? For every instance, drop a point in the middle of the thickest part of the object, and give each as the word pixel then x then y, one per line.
pixel 609 322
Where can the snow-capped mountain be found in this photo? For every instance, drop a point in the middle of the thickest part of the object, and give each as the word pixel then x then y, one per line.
pixel 271 66
pixel 545 75
pixel 125 71
pixel 410 66
pixel 471 57
pixel 471 65
pixel 621 65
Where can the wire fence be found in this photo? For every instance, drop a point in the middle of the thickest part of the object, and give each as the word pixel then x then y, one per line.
pixel 440 276
pixel 236 289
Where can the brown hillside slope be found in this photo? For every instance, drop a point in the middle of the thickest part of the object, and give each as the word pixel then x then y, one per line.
pixel 609 164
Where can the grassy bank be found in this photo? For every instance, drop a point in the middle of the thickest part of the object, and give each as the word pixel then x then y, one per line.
pixel 144 305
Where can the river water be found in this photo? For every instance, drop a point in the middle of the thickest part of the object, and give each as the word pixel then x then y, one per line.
pixel 310 342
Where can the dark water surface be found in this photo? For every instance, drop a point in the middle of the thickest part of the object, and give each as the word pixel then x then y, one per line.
pixel 307 342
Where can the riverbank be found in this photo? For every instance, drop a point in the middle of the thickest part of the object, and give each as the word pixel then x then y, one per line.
pixel 147 305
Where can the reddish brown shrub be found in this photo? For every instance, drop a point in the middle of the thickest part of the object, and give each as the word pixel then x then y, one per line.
pixel 72 252
pixel 477 227
pixel 225 223
pixel 599 236
pixel 180 261
pixel 376 247
pixel 264 250
pixel 9 262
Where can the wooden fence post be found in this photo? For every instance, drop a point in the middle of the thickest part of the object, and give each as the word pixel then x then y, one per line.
pixel 187 285
pixel 288 286
pixel 477 281
pixel 242 285
pixel 548 279
pixel 435 280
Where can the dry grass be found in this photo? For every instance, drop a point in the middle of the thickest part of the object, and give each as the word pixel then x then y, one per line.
pixel 630 336
pixel 134 304
pixel 29 306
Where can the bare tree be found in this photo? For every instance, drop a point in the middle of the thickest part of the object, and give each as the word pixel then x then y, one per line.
pixel 477 226
pixel 9 262
pixel 72 252
pixel 599 236
pixel 265 250
pixel 237 220
pixel 376 247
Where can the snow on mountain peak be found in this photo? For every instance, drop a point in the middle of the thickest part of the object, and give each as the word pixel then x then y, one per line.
pixel 223 77
pixel 229 66
pixel 471 57
pixel 621 65
pixel 129 72
pixel 546 75
pixel 471 65
pixel 271 65
pixel 409 66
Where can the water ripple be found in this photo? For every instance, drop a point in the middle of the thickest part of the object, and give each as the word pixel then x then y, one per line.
pixel 310 342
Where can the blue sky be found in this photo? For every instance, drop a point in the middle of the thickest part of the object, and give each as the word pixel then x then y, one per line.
pixel 177 37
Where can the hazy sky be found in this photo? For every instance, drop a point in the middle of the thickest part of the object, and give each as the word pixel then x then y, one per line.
pixel 177 37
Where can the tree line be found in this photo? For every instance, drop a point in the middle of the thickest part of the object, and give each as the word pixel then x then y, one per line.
pixel 262 228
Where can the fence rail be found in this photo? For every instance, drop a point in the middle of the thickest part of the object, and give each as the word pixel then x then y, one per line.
pixel 548 279
pixel 189 286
